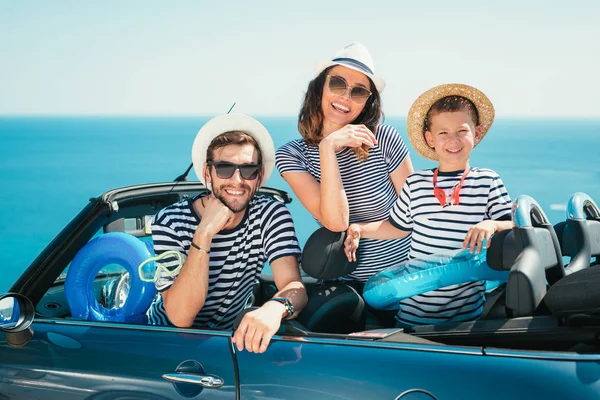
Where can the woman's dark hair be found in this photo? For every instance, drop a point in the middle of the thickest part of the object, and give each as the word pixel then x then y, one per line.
pixel 310 119
pixel 451 104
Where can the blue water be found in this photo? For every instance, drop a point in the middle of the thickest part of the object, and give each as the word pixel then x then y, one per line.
pixel 50 167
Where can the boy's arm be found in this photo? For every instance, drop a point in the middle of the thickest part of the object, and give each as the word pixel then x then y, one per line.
pixel 383 230
pixel 484 230
pixel 497 213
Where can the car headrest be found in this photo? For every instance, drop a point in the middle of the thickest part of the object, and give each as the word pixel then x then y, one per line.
pixel 570 236
pixel 505 248
pixel 323 255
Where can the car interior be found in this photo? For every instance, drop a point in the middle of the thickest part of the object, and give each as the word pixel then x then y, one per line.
pixel 544 305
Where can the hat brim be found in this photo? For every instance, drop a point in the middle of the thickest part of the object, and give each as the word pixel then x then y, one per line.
pixel 419 109
pixel 322 65
pixel 233 122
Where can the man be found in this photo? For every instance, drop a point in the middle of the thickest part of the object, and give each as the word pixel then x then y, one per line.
pixel 226 237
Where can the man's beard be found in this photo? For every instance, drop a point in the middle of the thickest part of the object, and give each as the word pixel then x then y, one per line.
pixel 234 206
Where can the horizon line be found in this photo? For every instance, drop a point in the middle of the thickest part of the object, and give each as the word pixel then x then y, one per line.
pixel 27 115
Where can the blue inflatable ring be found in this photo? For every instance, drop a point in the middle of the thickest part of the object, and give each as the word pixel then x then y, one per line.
pixel 111 248
pixel 385 289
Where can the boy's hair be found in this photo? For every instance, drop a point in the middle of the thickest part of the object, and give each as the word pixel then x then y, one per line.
pixel 310 118
pixel 239 138
pixel 451 104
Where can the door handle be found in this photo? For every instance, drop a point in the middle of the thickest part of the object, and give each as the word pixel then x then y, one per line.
pixel 205 380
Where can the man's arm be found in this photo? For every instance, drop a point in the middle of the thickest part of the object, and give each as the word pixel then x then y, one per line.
pixel 258 327
pixel 186 296
pixel 289 282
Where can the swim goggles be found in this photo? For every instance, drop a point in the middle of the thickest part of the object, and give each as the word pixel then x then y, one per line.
pixel 170 264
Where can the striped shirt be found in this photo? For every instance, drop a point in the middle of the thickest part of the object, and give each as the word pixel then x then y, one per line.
pixel 436 229
pixel 237 256
pixel 369 190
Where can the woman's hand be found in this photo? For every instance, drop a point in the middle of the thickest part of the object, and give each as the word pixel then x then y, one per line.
pixel 349 136
pixel 352 241
pixel 483 230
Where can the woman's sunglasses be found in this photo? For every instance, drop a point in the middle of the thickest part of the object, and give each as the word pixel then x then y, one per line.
pixel 225 170
pixel 338 86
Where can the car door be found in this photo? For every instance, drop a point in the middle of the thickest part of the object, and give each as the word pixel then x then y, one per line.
pixel 92 360
pixel 332 369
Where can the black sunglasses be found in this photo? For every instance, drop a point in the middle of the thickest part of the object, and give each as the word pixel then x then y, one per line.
pixel 338 86
pixel 225 170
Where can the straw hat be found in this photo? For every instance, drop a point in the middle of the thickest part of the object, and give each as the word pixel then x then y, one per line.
pixel 233 122
pixel 357 57
pixel 418 112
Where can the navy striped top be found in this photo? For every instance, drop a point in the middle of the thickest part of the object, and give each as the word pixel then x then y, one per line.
pixel 436 229
pixel 237 256
pixel 369 190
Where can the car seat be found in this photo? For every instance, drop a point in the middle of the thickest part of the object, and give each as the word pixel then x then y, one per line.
pixel 576 296
pixel 333 306
pixel 531 253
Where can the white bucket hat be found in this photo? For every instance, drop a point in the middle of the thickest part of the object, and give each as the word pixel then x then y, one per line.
pixel 357 57
pixel 233 122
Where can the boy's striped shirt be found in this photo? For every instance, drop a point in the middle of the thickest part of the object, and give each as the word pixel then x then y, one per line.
pixel 436 229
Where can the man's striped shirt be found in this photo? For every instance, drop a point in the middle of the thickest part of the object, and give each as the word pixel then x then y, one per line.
pixel 436 229
pixel 237 256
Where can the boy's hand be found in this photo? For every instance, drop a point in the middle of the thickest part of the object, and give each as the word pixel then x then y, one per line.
pixel 351 242
pixel 483 230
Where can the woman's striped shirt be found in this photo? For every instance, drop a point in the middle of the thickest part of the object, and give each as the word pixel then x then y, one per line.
pixel 369 190
pixel 237 256
pixel 436 229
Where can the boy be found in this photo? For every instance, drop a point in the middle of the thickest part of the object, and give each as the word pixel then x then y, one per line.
pixel 449 207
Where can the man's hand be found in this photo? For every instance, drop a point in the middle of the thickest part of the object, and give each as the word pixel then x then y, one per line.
pixel 352 241
pixel 258 327
pixel 483 230
pixel 215 217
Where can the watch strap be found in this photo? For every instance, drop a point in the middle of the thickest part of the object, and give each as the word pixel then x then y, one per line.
pixel 288 306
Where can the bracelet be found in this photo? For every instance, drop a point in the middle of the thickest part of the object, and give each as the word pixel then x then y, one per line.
pixel 194 245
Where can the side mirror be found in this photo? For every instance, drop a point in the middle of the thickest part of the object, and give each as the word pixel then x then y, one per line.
pixel 16 315
pixel 9 312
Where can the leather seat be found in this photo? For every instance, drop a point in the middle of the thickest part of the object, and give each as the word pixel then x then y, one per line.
pixel 576 296
pixel 333 306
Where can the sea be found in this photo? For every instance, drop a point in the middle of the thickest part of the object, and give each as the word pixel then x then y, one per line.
pixel 51 166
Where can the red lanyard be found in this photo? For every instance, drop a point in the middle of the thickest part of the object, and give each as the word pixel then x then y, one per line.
pixel 440 194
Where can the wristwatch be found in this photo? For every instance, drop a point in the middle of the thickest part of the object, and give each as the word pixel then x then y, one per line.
pixel 288 306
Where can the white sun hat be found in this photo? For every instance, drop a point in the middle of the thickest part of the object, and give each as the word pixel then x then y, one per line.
pixel 355 56
pixel 233 122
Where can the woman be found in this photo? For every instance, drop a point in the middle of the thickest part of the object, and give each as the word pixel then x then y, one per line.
pixel 348 167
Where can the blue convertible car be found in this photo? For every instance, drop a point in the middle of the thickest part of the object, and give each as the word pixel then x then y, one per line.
pixel 539 336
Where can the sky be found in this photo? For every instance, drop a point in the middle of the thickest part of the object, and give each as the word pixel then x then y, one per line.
pixel 532 58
